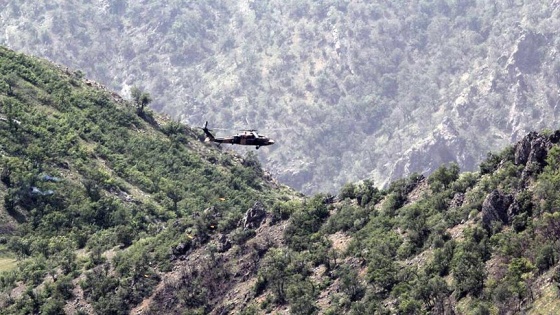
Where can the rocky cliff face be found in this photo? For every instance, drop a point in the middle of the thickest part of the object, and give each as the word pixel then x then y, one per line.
pixel 443 146
pixel 532 150
pixel 493 105
pixel 530 153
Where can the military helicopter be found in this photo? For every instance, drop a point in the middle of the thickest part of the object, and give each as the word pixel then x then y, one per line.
pixel 248 137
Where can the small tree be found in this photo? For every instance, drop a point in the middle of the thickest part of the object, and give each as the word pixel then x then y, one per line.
pixel 348 191
pixel 443 177
pixel 468 271
pixel 11 81
pixel 350 283
pixel 141 99
pixel 275 272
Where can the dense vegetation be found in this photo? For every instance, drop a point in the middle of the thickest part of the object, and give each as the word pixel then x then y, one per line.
pixel 469 243
pixel 85 174
pixel 347 87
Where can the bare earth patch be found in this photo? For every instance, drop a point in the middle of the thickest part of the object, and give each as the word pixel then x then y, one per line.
pixel 418 192
pixel 340 241
pixel 239 261
pixel 78 303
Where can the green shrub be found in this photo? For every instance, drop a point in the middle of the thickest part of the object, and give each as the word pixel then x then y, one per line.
pixel 442 178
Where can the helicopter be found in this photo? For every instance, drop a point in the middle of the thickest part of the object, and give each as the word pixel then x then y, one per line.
pixel 248 137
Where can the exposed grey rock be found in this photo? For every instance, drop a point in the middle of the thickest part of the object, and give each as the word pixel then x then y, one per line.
pixel 539 149
pixel 457 200
pixel 495 208
pixel 513 210
pixel 179 250
pixel 445 145
pixel 223 243
pixel 254 216
pixel 527 56
pixel 532 150
pixel 523 149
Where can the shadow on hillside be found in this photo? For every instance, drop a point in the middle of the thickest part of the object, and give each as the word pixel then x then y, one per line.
pixel 17 215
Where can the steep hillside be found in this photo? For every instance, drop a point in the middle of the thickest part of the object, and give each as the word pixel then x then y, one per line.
pixel 452 243
pixel 350 89
pixel 97 195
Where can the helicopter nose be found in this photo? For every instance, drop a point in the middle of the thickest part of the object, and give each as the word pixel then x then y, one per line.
pixel 270 141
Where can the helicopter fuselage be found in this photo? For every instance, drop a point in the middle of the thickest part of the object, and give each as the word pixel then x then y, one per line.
pixel 249 137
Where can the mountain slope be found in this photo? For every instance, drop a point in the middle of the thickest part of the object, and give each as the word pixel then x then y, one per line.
pixel 452 243
pixel 115 211
pixel 350 89
pixel 95 194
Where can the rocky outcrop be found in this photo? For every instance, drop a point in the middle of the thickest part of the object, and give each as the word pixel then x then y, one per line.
pixel 503 208
pixel 180 250
pixel 527 56
pixel 532 151
pixel 457 201
pixel 495 208
pixel 254 216
pixel 223 243
pixel 446 144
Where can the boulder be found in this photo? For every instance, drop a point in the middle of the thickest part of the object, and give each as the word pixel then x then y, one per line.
pixel 457 201
pixel 180 250
pixel 495 208
pixel 223 243
pixel 539 149
pixel 254 216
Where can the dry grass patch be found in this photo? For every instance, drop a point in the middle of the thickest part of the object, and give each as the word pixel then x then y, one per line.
pixel 7 264
pixel 548 303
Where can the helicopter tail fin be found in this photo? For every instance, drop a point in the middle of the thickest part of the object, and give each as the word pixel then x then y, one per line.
pixel 207 132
